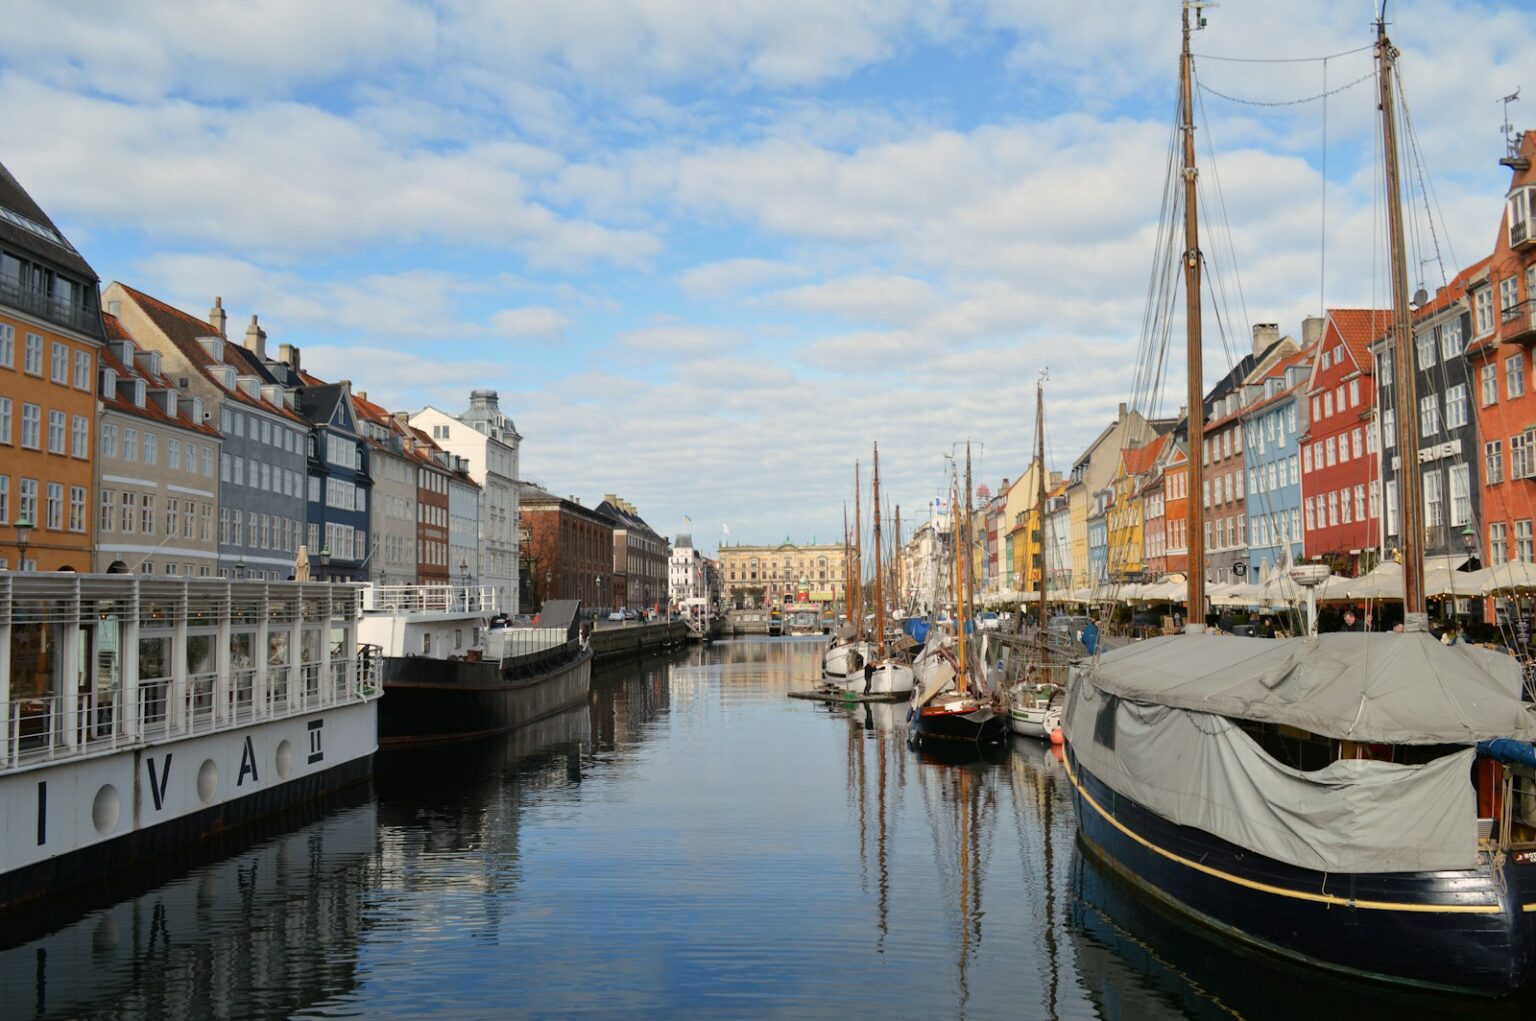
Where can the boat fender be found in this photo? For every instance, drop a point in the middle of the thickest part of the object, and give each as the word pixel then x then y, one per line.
pixel 1507 749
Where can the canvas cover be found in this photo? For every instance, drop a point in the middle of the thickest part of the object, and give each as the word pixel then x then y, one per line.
pixel 1198 769
pixel 1375 687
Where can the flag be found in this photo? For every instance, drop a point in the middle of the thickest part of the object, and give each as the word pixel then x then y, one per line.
pixel 725 528
pixel 687 519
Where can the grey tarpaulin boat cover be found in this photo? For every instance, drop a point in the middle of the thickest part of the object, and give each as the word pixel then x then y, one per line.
pixel 1153 721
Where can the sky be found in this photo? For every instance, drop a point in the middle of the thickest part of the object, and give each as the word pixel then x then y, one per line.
pixel 710 253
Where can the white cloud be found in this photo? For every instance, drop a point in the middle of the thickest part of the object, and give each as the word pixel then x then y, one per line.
pixel 731 276
pixel 532 321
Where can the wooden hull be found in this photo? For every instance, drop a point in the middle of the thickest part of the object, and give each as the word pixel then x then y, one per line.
pixel 433 701
pixel 1468 930
pixel 980 725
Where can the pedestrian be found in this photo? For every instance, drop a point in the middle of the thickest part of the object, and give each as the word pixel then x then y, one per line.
pixel 1090 635
pixel 869 676
pixel 1350 621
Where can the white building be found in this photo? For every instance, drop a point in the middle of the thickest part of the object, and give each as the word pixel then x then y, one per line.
pixel 488 442
pixel 685 572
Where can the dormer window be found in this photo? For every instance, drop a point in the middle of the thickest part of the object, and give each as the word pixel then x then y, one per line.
pixel 109 382
pixel 1520 212
pixel 214 346
pixel 138 393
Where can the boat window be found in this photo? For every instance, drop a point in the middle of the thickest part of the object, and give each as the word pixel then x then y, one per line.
pixel 426 643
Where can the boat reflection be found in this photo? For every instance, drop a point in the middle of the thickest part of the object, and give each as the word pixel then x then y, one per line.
pixel 274 928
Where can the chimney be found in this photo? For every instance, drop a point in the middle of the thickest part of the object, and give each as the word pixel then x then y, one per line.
pixel 1311 330
pixel 362 395
pixel 1264 334
pixel 1120 416
pixel 256 339
pixel 403 418
pixel 289 356
pixel 216 316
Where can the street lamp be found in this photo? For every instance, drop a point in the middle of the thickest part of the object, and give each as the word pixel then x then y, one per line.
pixel 240 568
pixel 23 539
pixel 325 559
pixel 546 587
pixel 1469 539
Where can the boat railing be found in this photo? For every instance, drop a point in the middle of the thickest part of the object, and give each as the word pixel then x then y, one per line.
pixel 400 599
pixel 50 728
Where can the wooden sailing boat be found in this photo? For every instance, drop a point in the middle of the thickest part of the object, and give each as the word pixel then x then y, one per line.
pixel 1034 699
pixel 1184 752
pixel 862 664
pixel 953 707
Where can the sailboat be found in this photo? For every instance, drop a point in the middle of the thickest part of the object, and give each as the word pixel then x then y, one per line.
pixel 880 673
pixel 950 705
pixel 1034 700
pixel 848 650
pixel 1357 802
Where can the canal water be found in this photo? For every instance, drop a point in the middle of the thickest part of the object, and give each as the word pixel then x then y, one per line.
pixel 690 844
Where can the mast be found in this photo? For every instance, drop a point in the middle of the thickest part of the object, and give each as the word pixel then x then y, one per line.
pixel 879 571
pixel 1194 506
pixel 1409 482
pixel 956 582
pixel 896 560
pixel 858 554
pixel 847 564
pixel 1040 494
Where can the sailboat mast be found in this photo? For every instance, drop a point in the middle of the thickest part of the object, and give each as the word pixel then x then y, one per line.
pixel 896 560
pixel 1195 506
pixel 879 567
pixel 858 553
pixel 968 593
pixel 847 564
pixel 956 582
pixel 1409 482
pixel 1040 498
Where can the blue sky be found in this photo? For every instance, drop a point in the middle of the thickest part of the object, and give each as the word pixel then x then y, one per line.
pixel 708 253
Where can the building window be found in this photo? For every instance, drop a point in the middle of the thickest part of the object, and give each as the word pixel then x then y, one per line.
pixel 1493 461
pixel 7 346
pixel 31 427
pixel 1461 494
pixel 1514 376
pixel 1388 427
pixel 1498 542
pixel 173 453
pixel 1434 508
pixel 82 370
pixel 1456 406
pixel 58 363
pixel 147 516
pixel 55 506
pixel 77 508
pixel 1333 508
pixel 1482 311
pixel 1523 541
pixel 130 444
pixel 1360 502
pixel 1429 415
pixel 27 505
pixel 130 510
pixel 5 420
pixel 151 448
pixel 56 432
pixel 33 364
pixel 80 436
pixel 1425 342
pixel 108 509
pixel 1490 377
pixel 1509 295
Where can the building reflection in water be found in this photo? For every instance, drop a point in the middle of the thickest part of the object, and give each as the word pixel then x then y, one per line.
pixel 266 931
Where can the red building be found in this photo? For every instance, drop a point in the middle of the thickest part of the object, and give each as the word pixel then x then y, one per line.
pixel 1340 479
pixel 570 549
pixel 1501 358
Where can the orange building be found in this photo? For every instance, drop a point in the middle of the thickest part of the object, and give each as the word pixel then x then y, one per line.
pixel 50 337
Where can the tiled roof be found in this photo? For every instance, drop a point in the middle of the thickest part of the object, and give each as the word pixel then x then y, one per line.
pixel 184 332
pixel 1357 328
pixel 150 410
pixel 1141 459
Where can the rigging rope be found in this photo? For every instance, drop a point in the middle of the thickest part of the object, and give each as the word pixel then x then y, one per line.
pixel 1287 102
pixel 1285 60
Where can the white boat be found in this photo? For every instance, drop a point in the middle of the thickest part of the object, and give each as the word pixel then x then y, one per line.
pixel 141 714
pixel 1034 710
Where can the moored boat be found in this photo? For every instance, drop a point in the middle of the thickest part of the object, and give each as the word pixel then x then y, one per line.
pixel 142 714
pixel 449 675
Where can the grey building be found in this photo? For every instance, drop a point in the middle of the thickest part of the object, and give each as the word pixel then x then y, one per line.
pixel 261 464
pixel 1444 421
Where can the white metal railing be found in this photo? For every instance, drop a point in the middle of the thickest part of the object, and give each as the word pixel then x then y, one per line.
pixel 430 599
pixel 57 727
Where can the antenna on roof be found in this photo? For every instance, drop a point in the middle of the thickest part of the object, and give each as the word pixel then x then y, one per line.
pixel 1511 137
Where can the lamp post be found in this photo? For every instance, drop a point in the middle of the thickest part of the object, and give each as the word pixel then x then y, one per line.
pixel 240 568
pixel 546 588
pixel 325 559
pixel 23 540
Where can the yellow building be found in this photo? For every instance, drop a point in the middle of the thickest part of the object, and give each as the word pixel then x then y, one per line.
pixel 1125 555
pixel 759 576
pixel 50 338
pixel 1094 470
pixel 1021 516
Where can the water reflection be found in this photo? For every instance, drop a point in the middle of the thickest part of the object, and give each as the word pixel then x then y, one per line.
pixel 689 843
pixel 267 931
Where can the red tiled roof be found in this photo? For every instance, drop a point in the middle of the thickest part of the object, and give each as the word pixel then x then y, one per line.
pixel 1141 459
pixel 150 410
pixel 1358 328
pixel 184 331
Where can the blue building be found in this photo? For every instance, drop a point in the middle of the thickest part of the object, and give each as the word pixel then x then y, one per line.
pixel 1275 414
pixel 340 481
pixel 1098 538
